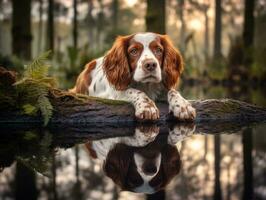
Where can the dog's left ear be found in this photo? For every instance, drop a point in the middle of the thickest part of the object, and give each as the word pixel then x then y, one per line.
pixel 117 164
pixel 172 63
pixel 116 66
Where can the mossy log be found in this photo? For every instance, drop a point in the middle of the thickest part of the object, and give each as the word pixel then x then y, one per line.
pixel 79 109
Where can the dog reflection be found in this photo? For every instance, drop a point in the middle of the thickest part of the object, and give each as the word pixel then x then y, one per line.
pixel 143 163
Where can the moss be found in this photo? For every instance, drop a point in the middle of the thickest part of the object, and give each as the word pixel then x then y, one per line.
pixel 108 101
pixel 68 96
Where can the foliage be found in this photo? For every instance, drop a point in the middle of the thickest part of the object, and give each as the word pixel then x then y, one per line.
pixel 39 159
pixel 34 87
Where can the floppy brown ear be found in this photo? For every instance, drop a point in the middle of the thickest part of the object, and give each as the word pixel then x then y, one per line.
pixel 84 79
pixel 117 164
pixel 170 167
pixel 172 63
pixel 115 64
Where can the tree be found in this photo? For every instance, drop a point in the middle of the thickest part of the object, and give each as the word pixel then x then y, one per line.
pixel 115 8
pixel 50 26
pixel 21 28
pixel 217 30
pixel 90 21
pixel 40 26
pixel 75 24
pixel 181 10
pixel 248 30
pixel 204 7
pixel 155 17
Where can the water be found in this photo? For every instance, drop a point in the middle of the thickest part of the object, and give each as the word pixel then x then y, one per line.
pixel 183 161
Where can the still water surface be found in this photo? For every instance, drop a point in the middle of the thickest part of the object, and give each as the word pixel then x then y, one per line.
pixel 182 161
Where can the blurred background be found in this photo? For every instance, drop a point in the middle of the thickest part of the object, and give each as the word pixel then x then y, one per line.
pixel 223 41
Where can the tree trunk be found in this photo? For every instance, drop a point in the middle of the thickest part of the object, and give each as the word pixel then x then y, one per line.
pixel 50 26
pixel 155 16
pixel 21 28
pixel 75 24
pixel 100 25
pixel 206 36
pixel 40 26
pixel 217 30
pixel 183 26
pixel 248 30
pixel 115 8
pixel 90 24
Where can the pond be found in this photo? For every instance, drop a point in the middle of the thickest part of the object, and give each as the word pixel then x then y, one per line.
pixel 181 161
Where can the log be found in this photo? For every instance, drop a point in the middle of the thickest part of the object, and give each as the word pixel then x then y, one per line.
pixel 71 109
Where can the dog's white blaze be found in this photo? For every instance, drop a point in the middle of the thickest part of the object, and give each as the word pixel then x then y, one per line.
pixel 145 39
pixel 145 187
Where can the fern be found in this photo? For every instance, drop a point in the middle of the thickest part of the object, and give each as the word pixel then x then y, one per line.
pixel 38 68
pixel 34 88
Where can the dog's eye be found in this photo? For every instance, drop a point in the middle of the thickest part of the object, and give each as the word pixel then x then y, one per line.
pixel 158 51
pixel 133 52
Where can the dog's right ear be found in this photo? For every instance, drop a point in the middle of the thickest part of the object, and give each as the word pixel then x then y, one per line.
pixel 115 64
pixel 84 79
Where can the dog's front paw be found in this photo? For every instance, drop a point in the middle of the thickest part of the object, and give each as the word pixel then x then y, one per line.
pixel 183 110
pixel 147 110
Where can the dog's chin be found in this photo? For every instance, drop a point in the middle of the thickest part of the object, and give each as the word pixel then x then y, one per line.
pixel 150 79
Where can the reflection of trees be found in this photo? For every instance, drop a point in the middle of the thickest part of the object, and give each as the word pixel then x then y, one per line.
pixel 217 169
pixel 25 187
pixel 197 177
pixel 247 164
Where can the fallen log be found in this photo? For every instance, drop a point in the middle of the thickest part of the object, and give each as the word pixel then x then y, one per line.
pixel 79 109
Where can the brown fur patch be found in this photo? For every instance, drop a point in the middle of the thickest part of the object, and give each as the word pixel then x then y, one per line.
pixel 91 151
pixel 84 79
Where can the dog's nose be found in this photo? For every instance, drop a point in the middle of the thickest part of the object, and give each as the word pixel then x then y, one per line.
pixel 150 170
pixel 149 65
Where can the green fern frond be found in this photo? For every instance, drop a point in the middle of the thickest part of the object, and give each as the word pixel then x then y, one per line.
pixel 34 88
pixel 29 109
pixel 38 68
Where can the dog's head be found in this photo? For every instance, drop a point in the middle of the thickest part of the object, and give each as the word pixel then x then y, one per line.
pixel 143 170
pixel 145 58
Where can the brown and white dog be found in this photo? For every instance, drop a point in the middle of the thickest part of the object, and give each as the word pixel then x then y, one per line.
pixel 145 162
pixel 138 68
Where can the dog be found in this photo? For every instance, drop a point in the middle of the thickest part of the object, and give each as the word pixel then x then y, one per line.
pixel 138 69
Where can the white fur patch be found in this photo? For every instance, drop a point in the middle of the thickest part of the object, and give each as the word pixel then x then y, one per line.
pixel 145 187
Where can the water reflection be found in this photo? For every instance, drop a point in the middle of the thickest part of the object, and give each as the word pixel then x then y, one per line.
pixel 163 162
pixel 145 162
